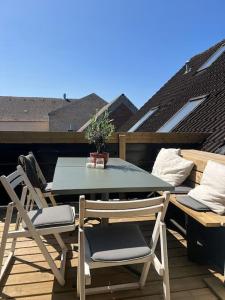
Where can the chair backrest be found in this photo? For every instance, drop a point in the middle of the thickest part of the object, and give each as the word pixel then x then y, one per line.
pixel 40 174
pixel 19 178
pixel 123 209
pixel 119 209
pixel 33 171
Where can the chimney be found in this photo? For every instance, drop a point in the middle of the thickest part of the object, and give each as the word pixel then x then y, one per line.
pixel 64 97
pixel 187 67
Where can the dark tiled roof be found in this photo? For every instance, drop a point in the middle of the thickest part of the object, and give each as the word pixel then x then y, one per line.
pixel 74 115
pixel 28 108
pixel 121 109
pixel 209 115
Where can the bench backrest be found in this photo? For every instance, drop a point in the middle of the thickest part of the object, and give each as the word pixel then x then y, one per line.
pixel 200 159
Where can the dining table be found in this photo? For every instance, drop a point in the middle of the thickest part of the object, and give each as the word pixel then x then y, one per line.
pixel 72 177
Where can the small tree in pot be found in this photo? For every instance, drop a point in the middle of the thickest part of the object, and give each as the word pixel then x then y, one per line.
pixel 98 132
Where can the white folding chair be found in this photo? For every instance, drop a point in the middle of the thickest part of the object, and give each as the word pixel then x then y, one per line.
pixel 46 191
pixel 34 223
pixel 121 244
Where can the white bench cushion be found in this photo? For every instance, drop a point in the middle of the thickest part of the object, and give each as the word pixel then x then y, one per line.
pixel 170 167
pixel 211 190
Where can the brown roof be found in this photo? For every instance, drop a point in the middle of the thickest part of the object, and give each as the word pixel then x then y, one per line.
pixel 74 115
pixel 121 109
pixel 208 117
pixel 28 108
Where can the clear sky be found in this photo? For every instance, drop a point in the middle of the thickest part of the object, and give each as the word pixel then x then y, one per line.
pixel 49 47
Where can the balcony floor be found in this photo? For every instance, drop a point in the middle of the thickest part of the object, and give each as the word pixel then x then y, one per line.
pixel 30 278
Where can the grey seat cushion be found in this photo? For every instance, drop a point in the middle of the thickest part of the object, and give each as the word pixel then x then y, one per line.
pixel 192 203
pixel 116 242
pixel 182 189
pixel 52 216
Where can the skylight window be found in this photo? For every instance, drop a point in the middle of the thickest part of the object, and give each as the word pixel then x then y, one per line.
pixel 213 58
pixel 142 120
pixel 181 114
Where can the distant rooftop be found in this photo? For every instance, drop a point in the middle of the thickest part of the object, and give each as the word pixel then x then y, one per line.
pixel 121 109
pixel 28 108
pixel 74 115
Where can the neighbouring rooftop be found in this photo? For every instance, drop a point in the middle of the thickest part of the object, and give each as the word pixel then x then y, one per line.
pixel 176 106
pixel 28 108
pixel 60 115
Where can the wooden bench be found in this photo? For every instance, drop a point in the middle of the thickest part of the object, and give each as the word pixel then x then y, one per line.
pixel 204 231
pixel 200 158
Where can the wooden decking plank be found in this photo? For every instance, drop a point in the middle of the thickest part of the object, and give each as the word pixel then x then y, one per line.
pixel 27 281
pixel 216 286
pixel 200 294
pixel 152 288
pixel 38 276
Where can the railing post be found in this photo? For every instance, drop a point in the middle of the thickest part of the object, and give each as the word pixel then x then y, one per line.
pixel 122 146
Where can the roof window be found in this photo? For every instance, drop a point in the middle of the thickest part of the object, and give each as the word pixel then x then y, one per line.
pixel 181 114
pixel 142 120
pixel 212 58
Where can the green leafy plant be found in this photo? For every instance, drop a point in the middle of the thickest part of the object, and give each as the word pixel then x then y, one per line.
pixel 99 130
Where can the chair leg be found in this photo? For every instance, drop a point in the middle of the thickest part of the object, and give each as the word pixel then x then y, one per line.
pixel 60 241
pixel 81 265
pixel 82 282
pixel 144 274
pixel 18 220
pixel 4 240
pixel 64 253
pixel 58 274
pixel 52 199
pixel 78 280
pixel 164 255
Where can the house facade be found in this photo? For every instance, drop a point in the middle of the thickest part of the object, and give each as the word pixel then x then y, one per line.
pixel 27 113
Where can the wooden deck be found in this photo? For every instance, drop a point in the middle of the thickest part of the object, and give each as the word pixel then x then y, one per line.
pixel 30 278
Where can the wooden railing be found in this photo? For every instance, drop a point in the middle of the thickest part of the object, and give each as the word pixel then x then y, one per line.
pixel 120 138
pixel 138 148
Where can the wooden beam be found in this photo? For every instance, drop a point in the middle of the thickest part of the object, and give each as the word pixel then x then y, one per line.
pixel 159 138
pixel 122 146
pixel 28 137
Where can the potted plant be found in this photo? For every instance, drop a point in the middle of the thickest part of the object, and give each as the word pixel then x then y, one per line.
pixel 98 132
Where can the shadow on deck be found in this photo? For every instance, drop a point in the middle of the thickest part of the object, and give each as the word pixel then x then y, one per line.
pixel 30 277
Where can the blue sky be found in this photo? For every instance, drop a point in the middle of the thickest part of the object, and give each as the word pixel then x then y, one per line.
pixel 49 47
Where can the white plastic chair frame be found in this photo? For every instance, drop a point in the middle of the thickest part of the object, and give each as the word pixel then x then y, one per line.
pixel 107 209
pixel 10 183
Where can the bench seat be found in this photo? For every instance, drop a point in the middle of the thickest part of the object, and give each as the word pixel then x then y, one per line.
pixel 200 159
pixel 207 219
pixel 204 231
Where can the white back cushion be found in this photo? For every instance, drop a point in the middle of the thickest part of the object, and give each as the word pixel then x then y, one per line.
pixel 172 168
pixel 211 190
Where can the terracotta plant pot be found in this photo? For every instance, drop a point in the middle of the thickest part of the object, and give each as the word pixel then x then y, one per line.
pixel 96 155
